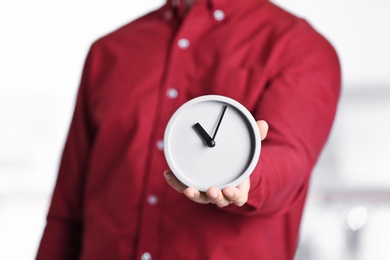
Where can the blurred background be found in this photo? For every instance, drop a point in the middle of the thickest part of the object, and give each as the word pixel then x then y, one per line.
pixel 42 49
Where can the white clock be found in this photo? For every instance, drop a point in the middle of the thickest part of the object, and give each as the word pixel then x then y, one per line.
pixel 212 141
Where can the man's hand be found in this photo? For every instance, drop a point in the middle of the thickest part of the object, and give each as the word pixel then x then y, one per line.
pixel 222 198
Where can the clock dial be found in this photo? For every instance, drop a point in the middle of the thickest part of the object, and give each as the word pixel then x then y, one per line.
pixel 197 162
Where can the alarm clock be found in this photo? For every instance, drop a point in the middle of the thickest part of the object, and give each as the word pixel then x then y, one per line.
pixel 212 141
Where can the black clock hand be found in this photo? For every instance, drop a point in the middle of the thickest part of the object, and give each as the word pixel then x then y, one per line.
pixel 219 121
pixel 205 136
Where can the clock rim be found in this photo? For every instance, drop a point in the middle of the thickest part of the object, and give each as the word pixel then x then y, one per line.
pixel 249 119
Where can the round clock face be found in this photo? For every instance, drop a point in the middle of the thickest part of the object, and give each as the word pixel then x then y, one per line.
pixel 212 141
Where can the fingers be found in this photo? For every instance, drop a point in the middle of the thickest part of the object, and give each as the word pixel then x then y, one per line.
pixel 196 196
pixel 222 198
pixel 263 127
pixel 212 195
pixel 191 193
pixel 238 195
pixel 174 182
pixel 216 196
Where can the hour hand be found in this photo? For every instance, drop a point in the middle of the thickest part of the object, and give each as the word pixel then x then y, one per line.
pixel 204 135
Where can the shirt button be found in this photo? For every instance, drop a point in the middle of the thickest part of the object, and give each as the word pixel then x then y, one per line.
pixel 175 3
pixel 168 15
pixel 219 15
pixel 183 43
pixel 160 145
pixel 152 199
pixel 146 256
pixel 172 93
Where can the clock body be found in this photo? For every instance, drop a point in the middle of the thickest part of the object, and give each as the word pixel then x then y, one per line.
pixel 237 143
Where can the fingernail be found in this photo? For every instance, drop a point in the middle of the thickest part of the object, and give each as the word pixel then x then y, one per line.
pixel 190 195
pixel 213 195
pixel 167 176
pixel 229 193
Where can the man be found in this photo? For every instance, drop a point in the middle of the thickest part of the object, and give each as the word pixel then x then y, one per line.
pixel 111 200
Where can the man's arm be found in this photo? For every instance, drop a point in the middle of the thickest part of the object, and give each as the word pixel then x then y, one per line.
pixel 299 104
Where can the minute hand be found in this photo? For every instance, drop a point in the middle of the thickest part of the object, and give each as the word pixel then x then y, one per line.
pixel 219 121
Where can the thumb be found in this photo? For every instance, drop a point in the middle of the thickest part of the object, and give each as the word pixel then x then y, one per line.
pixel 263 127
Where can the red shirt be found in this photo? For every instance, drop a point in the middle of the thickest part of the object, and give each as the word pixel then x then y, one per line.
pixel 111 200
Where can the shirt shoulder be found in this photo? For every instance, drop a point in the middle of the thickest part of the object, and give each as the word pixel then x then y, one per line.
pixel 283 21
pixel 291 29
pixel 135 30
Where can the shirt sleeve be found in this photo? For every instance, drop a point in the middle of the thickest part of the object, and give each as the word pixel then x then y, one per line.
pixel 299 103
pixel 62 235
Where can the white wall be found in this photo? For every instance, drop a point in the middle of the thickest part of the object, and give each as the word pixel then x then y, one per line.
pixel 42 49
pixel 358 29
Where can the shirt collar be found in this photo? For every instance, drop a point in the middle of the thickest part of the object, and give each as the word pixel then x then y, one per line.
pixel 213 4
pixel 179 8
